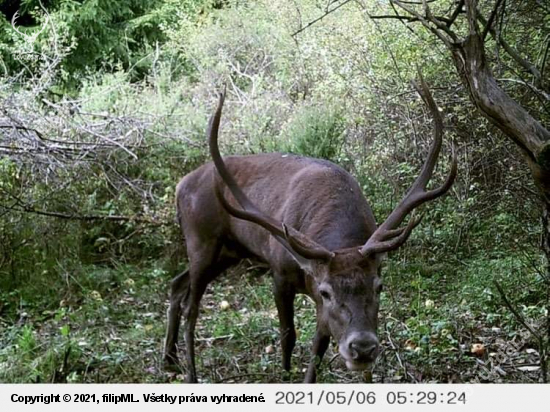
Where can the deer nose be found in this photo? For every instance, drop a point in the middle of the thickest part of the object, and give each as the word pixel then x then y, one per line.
pixel 364 347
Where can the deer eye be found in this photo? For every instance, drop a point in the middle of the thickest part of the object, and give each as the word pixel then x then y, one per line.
pixel 324 294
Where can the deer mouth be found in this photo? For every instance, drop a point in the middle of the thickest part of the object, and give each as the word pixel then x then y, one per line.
pixel 358 366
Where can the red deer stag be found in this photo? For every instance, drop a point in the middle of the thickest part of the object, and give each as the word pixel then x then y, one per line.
pixel 306 218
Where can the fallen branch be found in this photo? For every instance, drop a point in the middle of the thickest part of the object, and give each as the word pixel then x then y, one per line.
pixel 523 322
pixel 66 216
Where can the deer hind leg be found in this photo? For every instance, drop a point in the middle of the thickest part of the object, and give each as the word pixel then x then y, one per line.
pixel 202 272
pixel 179 297
pixel 284 299
pixel 191 315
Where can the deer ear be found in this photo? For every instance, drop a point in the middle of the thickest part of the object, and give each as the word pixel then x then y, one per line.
pixel 304 263
pixel 303 250
pixel 306 247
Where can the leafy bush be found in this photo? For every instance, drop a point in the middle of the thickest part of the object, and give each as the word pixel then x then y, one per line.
pixel 315 131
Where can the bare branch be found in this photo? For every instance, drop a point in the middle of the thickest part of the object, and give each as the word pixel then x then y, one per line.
pixel 458 10
pixel 489 23
pixel 395 17
pixel 543 63
pixel 530 86
pixel 513 53
pixel 426 20
pixel 311 23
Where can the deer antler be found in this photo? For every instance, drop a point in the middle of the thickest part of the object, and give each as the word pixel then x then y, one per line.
pixel 387 237
pixel 290 238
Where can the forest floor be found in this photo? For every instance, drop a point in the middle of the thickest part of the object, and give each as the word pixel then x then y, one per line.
pixel 107 324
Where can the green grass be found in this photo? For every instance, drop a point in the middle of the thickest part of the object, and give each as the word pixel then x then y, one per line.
pixel 107 325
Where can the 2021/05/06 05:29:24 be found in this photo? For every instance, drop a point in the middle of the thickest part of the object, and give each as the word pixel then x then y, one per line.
pixel 369 398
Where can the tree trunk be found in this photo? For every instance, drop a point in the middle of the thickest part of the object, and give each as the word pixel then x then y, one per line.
pixel 546 249
pixel 546 235
pixel 498 107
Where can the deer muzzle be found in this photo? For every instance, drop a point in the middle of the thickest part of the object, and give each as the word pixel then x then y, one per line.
pixel 360 350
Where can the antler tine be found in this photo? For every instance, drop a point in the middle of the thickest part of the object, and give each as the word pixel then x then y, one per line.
pixel 287 236
pixel 417 194
pixel 400 236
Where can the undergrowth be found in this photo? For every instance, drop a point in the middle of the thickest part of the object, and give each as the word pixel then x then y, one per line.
pixel 107 324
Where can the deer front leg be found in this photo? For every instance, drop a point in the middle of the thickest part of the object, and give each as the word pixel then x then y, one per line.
pixel 320 346
pixel 284 299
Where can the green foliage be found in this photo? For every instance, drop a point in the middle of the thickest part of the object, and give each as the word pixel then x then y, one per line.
pixel 315 132
pixel 93 34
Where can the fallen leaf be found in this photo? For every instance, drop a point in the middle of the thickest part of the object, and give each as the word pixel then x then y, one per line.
pixel 410 345
pixel 478 349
